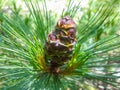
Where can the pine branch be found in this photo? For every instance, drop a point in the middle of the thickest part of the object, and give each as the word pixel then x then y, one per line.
pixel 50 55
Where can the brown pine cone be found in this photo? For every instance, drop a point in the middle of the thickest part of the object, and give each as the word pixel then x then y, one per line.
pixel 60 42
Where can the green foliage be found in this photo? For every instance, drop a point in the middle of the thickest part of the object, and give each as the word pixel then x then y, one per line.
pixel 22 62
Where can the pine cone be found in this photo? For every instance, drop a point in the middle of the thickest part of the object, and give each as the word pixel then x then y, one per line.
pixel 60 42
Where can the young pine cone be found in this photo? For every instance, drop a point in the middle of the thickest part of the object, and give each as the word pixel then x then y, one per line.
pixel 60 42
